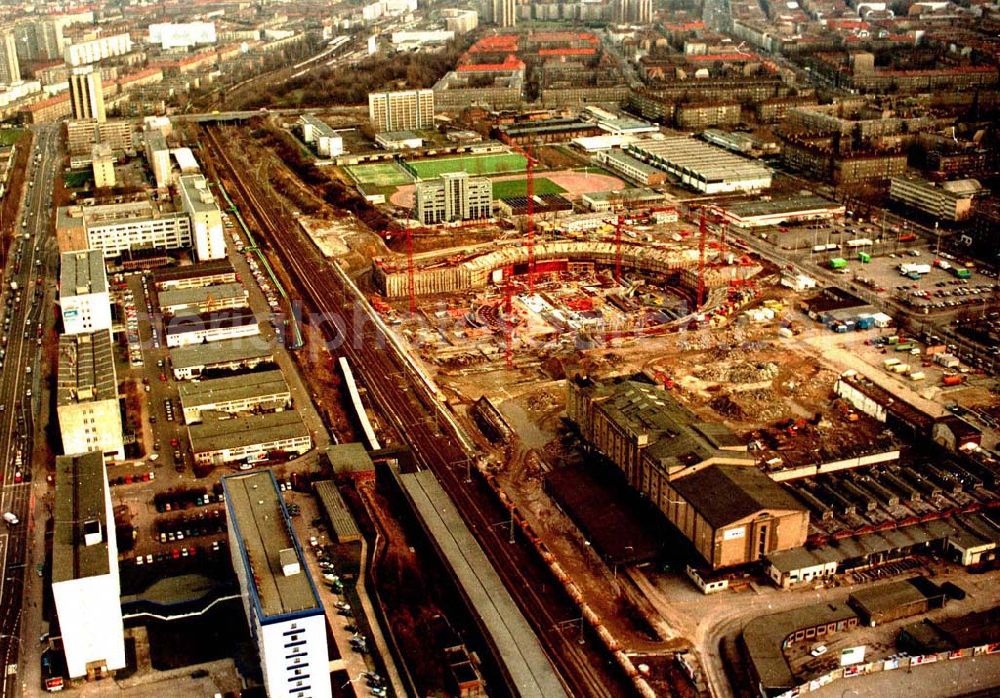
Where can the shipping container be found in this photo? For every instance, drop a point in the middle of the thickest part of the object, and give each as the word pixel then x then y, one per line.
pixel 889 363
pixel 917 376
pixel 905 346
pixel 838 263
pixel 946 360
pixel 963 273
pixel 864 257
pixel 902 369
pixel 951 380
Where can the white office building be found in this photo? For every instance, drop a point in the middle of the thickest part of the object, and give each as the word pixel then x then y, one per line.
pixel 454 196
pixel 206 218
pixel 97 49
pixel 158 156
pixel 85 584
pixel 116 229
pixel 283 607
pixel 171 35
pixel 321 135
pixel 87 395
pixel 216 326
pixel 84 302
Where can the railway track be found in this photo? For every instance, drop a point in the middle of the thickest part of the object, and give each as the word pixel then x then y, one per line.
pixel 578 658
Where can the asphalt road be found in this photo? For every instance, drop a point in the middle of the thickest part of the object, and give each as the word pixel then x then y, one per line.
pixel 16 423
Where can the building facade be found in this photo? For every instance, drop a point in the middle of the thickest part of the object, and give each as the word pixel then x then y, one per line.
pixel 97 49
pixel 218 325
pixel 158 157
pixel 268 392
pixel 85 583
pixel 10 67
pixel 401 111
pixel 87 395
pixel 632 168
pixel 947 201
pixel 117 229
pixel 702 166
pixel 454 197
pixel 102 162
pixel 206 218
pixel 86 94
pixel 503 12
pixel 321 135
pixel 202 299
pixel 227 355
pixel 734 515
pixel 248 439
pixel 283 607
pixel 84 302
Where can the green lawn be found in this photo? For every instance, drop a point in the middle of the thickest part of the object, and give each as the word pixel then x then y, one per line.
pixel 380 174
pixel 519 187
pixel 77 180
pixel 473 164
pixel 9 136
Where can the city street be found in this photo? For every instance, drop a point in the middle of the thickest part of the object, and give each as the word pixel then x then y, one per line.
pixel 29 262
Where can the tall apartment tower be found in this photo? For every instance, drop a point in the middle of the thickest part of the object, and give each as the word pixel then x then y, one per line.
pixel 643 11
pixel 401 111
pixel 634 11
pixel 504 13
pixel 283 608
pixel 206 218
pixel 87 94
pixel 10 67
pixel 85 582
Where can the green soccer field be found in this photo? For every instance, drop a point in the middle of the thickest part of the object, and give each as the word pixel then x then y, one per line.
pixel 9 136
pixel 380 174
pixel 519 187
pixel 473 164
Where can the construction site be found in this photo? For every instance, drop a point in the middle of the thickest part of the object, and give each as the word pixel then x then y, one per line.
pixel 700 354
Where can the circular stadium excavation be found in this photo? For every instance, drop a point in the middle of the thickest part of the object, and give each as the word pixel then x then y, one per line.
pixel 553 295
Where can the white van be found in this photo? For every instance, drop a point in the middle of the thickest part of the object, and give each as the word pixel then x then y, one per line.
pixel 11 518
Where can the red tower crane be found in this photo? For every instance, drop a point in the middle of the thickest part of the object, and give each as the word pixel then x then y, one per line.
pixel 410 284
pixel 530 178
pixel 702 234
pixel 508 316
pixel 527 152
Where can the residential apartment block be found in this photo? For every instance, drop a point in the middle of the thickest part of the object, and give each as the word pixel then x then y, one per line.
pixel 946 201
pixel 401 111
pixel 86 94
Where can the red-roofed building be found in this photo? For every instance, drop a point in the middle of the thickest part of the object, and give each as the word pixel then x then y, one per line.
pixel 567 52
pixel 511 63
pixel 48 110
